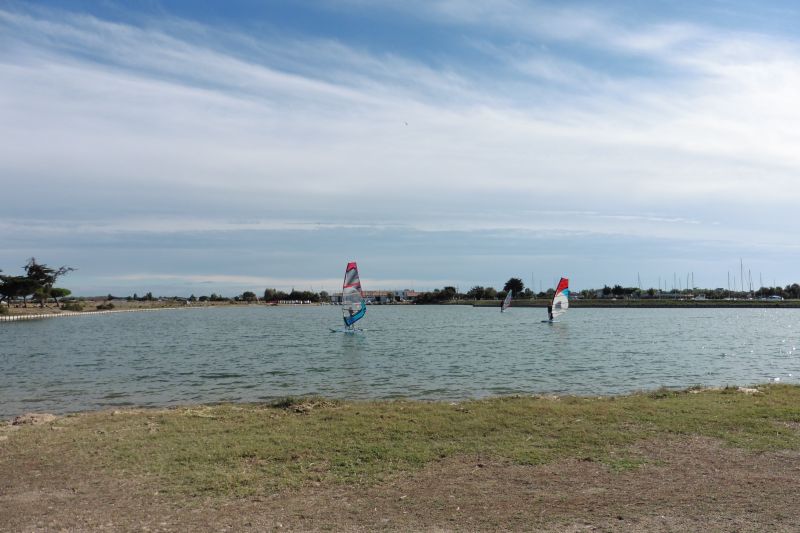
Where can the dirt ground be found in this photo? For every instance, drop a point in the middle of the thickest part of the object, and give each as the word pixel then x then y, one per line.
pixel 686 484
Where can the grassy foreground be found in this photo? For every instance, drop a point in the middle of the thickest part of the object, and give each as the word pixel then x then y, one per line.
pixel 246 450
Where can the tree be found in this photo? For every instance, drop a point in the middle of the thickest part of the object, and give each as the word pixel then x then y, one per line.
pixel 249 296
pixel 527 294
pixel 58 292
pixel 302 296
pixel 43 278
pixel 514 284
pixel 446 294
pixel 14 287
pixel 489 293
pixel 476 293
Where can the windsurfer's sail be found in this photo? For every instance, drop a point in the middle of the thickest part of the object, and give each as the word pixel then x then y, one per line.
pixel 560 299
pixel 353 305
pixel 506 301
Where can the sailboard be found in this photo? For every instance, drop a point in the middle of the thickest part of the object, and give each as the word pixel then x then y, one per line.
pixel 354 307
pixel 507 301
pixel 560 302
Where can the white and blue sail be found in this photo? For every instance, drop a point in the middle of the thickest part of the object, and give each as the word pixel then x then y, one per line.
pixel 507 301
pixel 354 307
pixel 560 299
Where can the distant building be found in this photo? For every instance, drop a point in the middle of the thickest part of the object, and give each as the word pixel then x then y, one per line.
pixel 406 294
pixel 380 297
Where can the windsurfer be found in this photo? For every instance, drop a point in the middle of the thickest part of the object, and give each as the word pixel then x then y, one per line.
pixel 550 313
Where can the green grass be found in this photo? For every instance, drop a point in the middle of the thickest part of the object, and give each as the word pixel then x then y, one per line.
pixel 257 449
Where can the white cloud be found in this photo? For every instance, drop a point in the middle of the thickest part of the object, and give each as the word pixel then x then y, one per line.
pixel 171 110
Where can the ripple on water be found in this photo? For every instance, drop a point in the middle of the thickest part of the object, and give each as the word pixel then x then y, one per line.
pixel 409 352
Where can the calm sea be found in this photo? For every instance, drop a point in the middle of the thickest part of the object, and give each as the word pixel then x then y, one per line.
pixel 431 352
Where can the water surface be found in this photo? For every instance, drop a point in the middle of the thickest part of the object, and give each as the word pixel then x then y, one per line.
pixel 427 352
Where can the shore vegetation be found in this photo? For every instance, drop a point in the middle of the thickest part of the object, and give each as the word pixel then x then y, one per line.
pixel 660 460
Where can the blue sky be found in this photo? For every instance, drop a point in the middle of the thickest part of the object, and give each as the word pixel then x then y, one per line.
pixel 196 147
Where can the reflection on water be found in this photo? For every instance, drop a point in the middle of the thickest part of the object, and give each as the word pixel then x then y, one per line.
pixel 432 352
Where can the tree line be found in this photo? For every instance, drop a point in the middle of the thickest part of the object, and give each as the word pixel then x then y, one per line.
pixel 478 292
pixel 39 280
pixel 37 284
pixel 791 291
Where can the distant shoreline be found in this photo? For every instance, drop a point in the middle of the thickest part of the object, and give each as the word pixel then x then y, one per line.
pixel 650 304
pixel 95 307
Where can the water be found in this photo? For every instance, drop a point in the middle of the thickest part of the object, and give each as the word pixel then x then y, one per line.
pixel 430 352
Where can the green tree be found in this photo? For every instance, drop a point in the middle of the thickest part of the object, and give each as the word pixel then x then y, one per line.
pixel 303 296
pixel 447 294
pixel 527 294
pixel 13 287
pixel 58 292
pixel 249 296
pixel 43 278
pixel 476 293
pixel 514 284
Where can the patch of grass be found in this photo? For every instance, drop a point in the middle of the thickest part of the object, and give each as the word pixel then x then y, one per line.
pixel 258 449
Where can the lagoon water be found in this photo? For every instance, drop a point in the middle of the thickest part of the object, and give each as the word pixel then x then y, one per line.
pixel 425 352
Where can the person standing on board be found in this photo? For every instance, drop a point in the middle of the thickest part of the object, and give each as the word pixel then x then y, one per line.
pixel 550 313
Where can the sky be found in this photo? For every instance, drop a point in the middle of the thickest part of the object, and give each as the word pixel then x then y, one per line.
pixel 189 147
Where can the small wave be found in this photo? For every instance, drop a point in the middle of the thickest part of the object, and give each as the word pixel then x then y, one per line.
pixel 221 375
